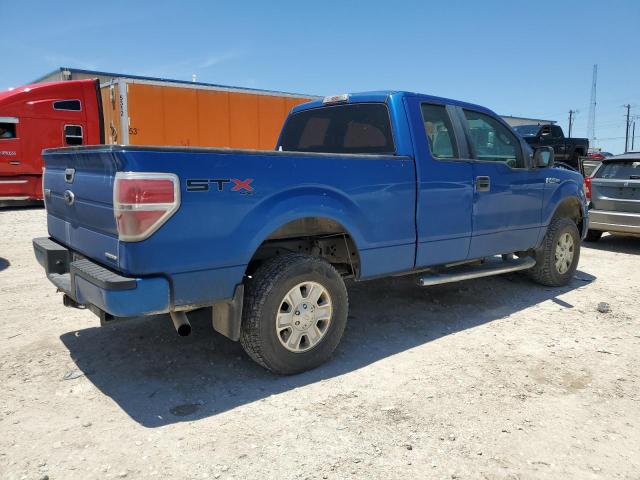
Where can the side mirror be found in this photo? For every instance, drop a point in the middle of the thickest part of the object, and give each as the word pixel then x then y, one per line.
pixel 543 157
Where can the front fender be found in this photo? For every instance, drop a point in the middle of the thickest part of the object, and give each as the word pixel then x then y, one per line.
pixel 567 193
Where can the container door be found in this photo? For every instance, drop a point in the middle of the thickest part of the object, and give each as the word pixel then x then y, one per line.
pixel 111 114
pixel 243 121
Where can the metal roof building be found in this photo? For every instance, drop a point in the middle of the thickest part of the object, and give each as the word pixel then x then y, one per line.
pixel 515 121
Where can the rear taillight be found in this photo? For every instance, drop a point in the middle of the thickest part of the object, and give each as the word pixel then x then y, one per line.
pixel 587 188
pixel 142 202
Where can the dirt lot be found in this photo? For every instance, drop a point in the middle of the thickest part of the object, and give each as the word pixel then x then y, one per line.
pixel 495 378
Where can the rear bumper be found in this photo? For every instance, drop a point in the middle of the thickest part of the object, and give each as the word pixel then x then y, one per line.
pixel 90 284
pixel 608 221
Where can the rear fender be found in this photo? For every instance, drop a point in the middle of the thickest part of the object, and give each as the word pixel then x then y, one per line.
pixel 275 212
pixel 304 202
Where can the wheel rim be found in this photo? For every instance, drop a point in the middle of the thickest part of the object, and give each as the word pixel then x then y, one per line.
pixel 304 317
pixel 565 249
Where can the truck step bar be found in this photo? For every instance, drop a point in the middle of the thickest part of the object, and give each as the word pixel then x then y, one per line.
pixel 493 266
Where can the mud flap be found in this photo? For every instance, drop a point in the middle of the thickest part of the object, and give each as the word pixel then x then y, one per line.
pixel 227 316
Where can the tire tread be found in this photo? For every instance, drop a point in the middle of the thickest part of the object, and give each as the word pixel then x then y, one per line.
pixel 258 289
pixel 544 270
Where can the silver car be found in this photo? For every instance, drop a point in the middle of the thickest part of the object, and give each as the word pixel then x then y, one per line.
pixel 614 192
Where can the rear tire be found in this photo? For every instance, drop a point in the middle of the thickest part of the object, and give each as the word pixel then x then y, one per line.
pixel 557 258
pixel 593 235
pixel 285 328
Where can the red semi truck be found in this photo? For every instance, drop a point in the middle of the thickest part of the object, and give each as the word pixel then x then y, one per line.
pixel 41 116
pixel 129 111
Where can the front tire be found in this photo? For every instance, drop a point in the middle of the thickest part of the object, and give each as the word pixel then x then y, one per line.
pixel 295 311
pixel 557 258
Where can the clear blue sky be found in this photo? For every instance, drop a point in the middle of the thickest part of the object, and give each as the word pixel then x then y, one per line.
pixel 527 58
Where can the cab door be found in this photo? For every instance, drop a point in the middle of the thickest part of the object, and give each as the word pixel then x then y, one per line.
pixel 508 191
pixel 444 182
pixel 11 161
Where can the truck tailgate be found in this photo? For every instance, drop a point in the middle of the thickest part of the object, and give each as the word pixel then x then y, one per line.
pixel 78 189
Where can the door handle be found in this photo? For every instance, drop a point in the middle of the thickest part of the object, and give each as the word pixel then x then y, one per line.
pixel 483 184
pixel 69 173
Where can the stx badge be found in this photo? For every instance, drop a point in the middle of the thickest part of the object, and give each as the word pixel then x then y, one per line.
pixel 203 185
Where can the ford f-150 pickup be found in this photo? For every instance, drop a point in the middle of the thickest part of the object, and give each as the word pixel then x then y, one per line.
pixel 359 186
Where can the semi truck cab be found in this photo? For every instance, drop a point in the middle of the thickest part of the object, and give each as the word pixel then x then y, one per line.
pixel 39 116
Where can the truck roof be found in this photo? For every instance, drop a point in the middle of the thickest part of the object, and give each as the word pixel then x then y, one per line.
pixel 382 96
pixel 35 91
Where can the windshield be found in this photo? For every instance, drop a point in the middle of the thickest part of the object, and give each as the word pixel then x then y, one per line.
pixel 527 130
pixel 352 128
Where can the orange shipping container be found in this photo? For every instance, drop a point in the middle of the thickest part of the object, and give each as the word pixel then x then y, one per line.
pixel 152 112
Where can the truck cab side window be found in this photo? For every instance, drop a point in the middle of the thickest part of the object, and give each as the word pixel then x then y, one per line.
pixel 7 130
pixel 439 131
pixel 71 105
pixel 73 134
pixel 492 141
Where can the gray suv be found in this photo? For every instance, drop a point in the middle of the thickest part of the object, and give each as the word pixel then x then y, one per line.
pixel 614 192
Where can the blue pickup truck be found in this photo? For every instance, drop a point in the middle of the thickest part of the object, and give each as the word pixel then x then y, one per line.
pixel 359 186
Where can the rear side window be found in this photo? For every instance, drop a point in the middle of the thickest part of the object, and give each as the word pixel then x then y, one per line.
pixel 439 131
pixel 7 130
pixel 356 128
pixel 492 141
pixel 620 170
pixel 73 134
pixel 73 105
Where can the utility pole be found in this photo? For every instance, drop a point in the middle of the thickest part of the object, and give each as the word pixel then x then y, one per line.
pixel 571 115
pixel 626 133
pixel 633 137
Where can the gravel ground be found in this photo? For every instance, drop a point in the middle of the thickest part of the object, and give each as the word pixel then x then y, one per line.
pixel 494 378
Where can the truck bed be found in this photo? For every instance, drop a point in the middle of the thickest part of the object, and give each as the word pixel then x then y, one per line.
pixel 203 247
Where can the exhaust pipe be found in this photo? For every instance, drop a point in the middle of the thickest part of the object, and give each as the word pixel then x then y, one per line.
pixel 181 323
